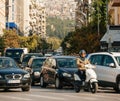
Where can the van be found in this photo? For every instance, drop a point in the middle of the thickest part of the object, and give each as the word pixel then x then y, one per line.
pixel 14 53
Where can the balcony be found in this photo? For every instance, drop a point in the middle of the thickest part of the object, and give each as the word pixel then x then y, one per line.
pixel 115 3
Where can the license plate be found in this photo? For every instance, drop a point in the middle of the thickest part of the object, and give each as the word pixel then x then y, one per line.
pixel 14 81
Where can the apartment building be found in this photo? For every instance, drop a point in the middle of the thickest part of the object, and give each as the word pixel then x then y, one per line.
pixel 111 40
pixel 2 16
pixel 26 16
pixel 37 13
pixel 114 11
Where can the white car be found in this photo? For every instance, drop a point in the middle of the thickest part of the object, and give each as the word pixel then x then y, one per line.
pixel 107 68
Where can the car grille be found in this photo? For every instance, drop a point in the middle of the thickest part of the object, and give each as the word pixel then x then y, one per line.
pixel 13 76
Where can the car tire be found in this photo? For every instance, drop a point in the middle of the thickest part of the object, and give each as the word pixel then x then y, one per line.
pixel 26 88
pixel 117 88
pixel 42 83
pixel 58 83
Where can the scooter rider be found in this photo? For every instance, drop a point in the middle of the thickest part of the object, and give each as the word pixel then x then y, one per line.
pixel 81 62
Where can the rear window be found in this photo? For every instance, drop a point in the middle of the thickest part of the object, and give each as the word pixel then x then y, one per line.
pixel 13 53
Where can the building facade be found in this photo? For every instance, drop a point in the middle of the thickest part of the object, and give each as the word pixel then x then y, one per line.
pixel 37 13
pixel 114 11
pixel 2 16
pixel 26 16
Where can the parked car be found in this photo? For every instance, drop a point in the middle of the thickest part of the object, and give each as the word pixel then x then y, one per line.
pixel 14 53
pixel 11 76
pixel 107 68
pixel 58 70
pixel 26 57
pixel 34 68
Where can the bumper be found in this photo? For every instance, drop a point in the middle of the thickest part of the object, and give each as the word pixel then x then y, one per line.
pixel 21 84
pixel 68 81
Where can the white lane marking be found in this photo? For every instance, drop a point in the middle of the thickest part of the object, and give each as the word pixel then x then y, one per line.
pixel 46 97
pixel 16 98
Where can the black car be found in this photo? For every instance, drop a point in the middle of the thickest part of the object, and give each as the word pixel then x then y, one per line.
pixel 11 76
pixel 26 57
pixel 34 68
pixel 58 70
pixel 14 53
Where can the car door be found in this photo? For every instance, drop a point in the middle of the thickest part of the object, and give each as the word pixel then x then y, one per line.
pixel 50 71
pixel 108 74
pixel 97 61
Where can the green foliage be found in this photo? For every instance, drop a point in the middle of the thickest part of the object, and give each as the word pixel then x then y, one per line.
pixel 88 37
pixel 55 42
pixel 29 42
pixel 11 39
pixel 2 46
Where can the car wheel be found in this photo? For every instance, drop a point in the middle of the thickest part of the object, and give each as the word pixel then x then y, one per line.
pixel 26 88
pixel 58 83
pixel 42 83
pixel 117 88
pixel 32 82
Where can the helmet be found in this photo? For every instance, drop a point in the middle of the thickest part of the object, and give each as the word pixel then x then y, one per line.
pixel 82 51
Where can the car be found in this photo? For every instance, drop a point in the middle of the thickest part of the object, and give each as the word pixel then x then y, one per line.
pixel 58 70
pixel 14 53
pixel 34 68
pixel 11 76
pixel 25 58
pixel 107 68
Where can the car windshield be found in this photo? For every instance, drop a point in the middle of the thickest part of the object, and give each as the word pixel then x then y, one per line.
pixel 66 63
pixel 37 63
pixel 118 59
pixel 7 63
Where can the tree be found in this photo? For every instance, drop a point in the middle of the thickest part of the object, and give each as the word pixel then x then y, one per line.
pixel 87 37
pixel 11 39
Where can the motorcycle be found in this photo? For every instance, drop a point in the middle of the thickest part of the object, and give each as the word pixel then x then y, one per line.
pixel 90 83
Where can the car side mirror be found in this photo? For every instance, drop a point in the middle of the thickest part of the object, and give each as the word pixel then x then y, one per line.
pixel 112 65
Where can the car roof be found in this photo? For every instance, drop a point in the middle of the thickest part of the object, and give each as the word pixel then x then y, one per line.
pixel 39 57
pixel 107 53
pixel 14 49
pixel 63 57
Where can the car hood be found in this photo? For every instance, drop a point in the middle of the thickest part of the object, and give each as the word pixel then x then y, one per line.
pixel 12 70
pixel 68 70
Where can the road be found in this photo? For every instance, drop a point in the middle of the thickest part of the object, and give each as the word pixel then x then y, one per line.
pixel 50 94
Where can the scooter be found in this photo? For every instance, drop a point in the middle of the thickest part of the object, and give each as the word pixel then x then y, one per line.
pixel 90 83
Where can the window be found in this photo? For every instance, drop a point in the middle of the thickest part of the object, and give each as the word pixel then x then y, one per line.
pixel 96 59
pixel 107 60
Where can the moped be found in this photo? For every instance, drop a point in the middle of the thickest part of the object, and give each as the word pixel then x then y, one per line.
pixel 90 83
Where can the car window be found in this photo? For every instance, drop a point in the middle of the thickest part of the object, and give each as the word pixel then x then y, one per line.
pixel 118 59
pixel 107 60
pixel 96 59
pixel 37 63
pixel 66 63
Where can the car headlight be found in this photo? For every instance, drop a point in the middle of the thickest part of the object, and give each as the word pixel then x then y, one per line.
pixel 27 75
pixel 67 75
pixel 36 73
pixel 0 77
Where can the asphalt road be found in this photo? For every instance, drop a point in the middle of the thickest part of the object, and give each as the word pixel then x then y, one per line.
pixel 51 94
